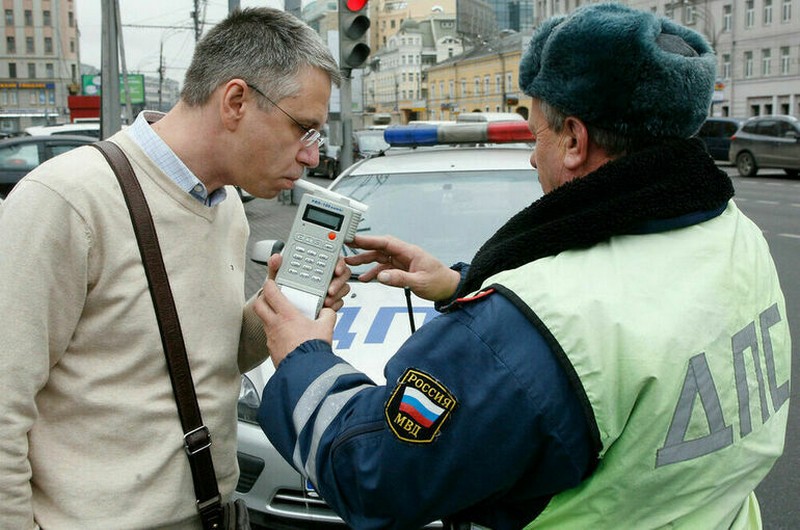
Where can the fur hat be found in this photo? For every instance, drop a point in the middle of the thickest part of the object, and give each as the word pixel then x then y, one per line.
pixel 623 70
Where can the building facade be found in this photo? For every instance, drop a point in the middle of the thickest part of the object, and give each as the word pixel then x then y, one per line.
pixel 395 84
pixel 38 63
pixel 483 79
pixel 386 16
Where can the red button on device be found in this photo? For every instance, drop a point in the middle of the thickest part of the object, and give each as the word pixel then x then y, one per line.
pixel 331 235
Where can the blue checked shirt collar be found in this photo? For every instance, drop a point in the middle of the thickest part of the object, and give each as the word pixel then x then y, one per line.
pixel 168 162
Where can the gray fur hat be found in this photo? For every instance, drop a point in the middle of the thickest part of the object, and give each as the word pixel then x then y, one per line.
pixel 623 70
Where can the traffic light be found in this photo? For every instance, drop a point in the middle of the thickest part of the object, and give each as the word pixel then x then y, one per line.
pixel 353 26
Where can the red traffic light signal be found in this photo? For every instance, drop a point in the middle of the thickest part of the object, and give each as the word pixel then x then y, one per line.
pixel 355 5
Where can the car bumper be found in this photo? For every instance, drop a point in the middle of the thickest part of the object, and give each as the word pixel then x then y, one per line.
pixel 271 487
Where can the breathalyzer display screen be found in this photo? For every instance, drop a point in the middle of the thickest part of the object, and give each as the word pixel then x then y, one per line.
pixel 323 218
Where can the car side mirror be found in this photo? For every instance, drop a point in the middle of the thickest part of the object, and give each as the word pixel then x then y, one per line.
pixel 265 248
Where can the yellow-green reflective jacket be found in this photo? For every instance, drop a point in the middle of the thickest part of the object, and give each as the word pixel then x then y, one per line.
pixel 679 343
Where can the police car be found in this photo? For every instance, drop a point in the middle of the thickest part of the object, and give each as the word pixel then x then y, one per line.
pixel 446 188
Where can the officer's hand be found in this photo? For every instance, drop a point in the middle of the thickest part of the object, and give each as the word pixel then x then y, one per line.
pixel 402 264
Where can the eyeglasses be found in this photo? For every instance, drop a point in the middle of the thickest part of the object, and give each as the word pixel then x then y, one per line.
pixel 311 136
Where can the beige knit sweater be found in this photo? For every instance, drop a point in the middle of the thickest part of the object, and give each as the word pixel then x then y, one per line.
pixel 89 433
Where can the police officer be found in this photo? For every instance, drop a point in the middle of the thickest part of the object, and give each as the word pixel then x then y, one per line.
pixel 616 355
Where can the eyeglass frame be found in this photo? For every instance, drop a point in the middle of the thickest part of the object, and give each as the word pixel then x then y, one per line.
pixel 311 136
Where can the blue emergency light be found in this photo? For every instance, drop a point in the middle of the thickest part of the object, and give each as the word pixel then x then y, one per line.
pixel 423 134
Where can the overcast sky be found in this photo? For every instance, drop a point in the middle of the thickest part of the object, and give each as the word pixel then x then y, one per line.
pixel 142 44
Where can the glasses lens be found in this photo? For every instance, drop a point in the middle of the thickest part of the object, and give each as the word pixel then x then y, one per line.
pixel 311 137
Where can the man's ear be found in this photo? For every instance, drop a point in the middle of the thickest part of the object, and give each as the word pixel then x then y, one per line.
pixel 575 138
pixel 232 103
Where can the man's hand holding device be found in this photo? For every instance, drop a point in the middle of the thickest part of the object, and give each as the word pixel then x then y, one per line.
pixel 309 279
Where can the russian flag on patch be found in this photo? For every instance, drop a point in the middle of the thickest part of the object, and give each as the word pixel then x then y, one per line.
pixel 419 407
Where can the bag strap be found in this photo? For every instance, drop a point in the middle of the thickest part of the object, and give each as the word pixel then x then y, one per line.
pixel 197 438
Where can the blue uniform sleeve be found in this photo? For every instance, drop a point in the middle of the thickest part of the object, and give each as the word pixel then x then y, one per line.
pixel 477 417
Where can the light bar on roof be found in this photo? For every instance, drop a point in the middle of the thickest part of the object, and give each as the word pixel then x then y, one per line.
pixel 457 133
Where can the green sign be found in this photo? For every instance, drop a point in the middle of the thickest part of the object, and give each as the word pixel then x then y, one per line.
pixel 91 84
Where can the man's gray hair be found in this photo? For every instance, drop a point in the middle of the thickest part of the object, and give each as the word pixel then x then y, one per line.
pixel 613 143
pixel 263 46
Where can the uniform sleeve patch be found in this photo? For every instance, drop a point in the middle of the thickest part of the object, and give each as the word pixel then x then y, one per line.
pixel 418 407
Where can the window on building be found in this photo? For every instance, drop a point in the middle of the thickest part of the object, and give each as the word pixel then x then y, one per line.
pixel 392 24
pixel 749 14
pixel 767 12
pixel 786 11
pixel 498 84
pixel 9 17
pixel 477 87
pixel 29 47
pixel 33 98
pixel 766 62
pixel 49 71
pixel 509 80
pixel 28 17
pixel 727 18
pixel 726 66
pixel 12 70
pixel 72 45
pixel 71 19
pixel 748 64
pixel 32 70
pixel 464 87
pixel 11 45
pixel 689 15
pixel 785 60
pixel 441 88
pixel 486 85
pixel 48 45
pixel 452 89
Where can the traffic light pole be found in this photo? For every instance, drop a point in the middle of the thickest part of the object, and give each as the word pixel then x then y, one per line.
pixel 353 52
pixel 110 121
pixel 346 113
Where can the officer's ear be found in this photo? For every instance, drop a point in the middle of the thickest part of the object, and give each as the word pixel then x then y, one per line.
pixel 575 143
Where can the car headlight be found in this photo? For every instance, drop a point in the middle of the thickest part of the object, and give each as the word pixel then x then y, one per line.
pixel 247 406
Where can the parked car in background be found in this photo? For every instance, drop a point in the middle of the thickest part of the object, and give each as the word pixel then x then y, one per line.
pixel 716 133
pixel 88 128
pixel 367 143
pixel 767 142
pixel 21 154
pixel 328 166
pixel 444 197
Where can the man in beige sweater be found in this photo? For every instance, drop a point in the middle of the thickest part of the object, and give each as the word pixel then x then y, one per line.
pixel 90 436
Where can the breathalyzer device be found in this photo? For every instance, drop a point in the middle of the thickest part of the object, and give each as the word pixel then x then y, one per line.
pixel 324 222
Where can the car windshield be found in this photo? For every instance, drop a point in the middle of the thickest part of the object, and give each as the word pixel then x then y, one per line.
pixel 448 214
